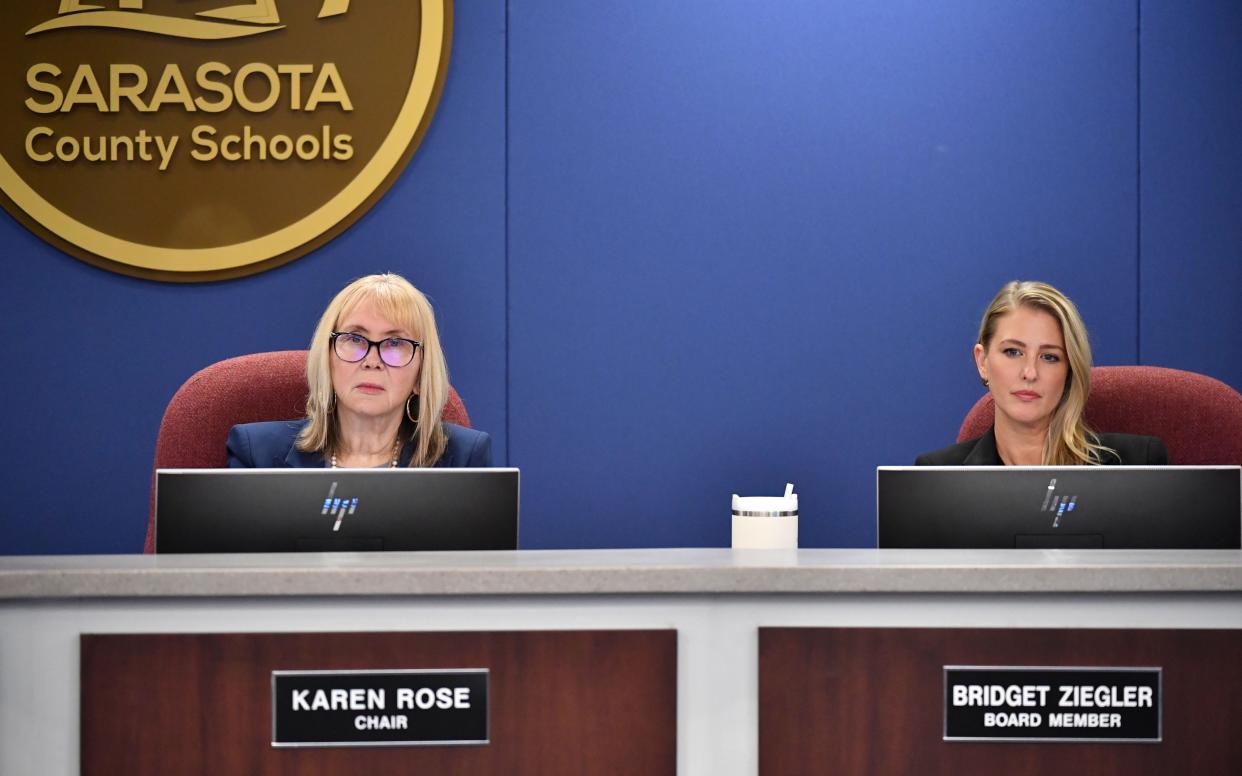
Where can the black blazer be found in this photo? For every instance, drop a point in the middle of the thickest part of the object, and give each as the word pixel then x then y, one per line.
pixel 270 445
pixel 1131 451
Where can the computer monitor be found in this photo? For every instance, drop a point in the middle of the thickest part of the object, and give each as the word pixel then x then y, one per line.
pixel 1075 507
pixel 329 510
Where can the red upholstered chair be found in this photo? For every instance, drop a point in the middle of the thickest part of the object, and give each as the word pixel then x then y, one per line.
pixel 1198 418
pixel 246 389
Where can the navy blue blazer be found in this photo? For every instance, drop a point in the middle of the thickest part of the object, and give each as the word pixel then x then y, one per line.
pixel 270 445
pixel 1131 450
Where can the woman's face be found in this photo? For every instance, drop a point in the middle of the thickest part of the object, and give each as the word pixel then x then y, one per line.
pixel 1025 366
pixel 371 388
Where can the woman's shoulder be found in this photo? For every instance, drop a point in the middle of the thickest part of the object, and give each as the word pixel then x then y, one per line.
pixel 274 426
pixel 1128 449
pixel 466 447
pixel 264 444
pixel 980 451
pixel 462 432
pixel 1134 449
pixel 270 429
pixel 953 455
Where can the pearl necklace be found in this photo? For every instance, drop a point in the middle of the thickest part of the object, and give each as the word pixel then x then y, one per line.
pixel 396 456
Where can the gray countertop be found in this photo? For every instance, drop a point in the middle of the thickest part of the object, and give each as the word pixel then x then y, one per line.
pixel 646 571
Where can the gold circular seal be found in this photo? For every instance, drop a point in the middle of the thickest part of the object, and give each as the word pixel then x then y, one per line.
pixel 199 140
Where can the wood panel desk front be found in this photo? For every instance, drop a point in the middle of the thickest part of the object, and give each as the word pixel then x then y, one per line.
pixel 716 600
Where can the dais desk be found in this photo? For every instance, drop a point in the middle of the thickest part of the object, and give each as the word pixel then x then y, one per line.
pixel 716 600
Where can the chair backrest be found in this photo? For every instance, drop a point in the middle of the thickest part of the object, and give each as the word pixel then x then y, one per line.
pixel 1198 417
pixel 245 389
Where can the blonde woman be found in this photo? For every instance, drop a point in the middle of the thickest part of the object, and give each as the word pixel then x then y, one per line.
pixel 1034 358
pixel 378 384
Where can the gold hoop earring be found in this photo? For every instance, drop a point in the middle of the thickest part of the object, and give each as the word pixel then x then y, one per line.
pixel 413 416
pixel 984 380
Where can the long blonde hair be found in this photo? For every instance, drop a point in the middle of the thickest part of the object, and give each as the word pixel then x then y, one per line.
pixel 407 307
pixel 1070 441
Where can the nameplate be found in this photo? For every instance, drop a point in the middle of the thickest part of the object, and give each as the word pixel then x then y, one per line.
pixel 410 707
pixel 1001 703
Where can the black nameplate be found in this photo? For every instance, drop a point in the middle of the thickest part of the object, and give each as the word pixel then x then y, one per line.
pixel 379 708
pixel 1052 704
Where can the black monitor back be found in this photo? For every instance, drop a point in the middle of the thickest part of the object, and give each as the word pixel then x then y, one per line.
pixel 327 510
pixel 1078 507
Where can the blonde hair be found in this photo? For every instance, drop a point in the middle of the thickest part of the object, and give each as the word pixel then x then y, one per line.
pixel 407 307
pixel 1070 441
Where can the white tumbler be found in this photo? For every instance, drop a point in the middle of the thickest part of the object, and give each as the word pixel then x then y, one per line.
pixel 765 522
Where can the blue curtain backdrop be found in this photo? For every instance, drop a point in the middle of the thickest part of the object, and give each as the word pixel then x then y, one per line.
pixel 681 250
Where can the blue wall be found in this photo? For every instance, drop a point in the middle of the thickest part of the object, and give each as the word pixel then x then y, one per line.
pixel 682 250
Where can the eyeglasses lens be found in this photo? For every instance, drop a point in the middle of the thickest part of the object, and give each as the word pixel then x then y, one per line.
pixel 396 352
pixel 350 347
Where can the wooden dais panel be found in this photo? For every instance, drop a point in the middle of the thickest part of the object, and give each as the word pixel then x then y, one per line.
pixel 870 701
pixel 561 702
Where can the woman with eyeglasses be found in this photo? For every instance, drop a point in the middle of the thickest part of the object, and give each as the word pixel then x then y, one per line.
pixel 378 385
pixel 1034 358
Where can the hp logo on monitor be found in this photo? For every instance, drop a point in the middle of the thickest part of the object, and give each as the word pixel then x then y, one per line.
pixel 338 506
pixel 1058 505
